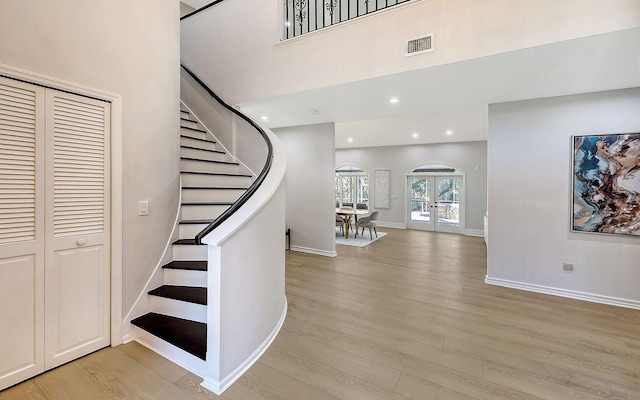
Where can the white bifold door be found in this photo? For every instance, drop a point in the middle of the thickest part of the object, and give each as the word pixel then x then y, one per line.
pixel 54 228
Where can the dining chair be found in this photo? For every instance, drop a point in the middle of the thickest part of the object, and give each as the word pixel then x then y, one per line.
pixel 367 222
pixel 340 223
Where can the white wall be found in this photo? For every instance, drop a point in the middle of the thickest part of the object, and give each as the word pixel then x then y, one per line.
pixel 465 156
pixel 530 173
pixel 129 48
pixel 310 212
pixel 237 39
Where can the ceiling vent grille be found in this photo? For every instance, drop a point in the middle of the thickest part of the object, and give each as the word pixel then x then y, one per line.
pixel 420 45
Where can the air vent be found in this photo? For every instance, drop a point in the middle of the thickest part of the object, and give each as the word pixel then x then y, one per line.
pixel 419 45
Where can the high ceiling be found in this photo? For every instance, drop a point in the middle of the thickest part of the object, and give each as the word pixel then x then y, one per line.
pixel 455 97
pixel 450 102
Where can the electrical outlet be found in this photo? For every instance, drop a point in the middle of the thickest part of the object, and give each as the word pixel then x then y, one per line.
pixel 567 267
pixel 143 208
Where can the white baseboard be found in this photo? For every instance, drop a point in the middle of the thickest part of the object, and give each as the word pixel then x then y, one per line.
pixel 474 232
pixel 395 225
pixel 595 298
pixel 314 251
pixel 218 387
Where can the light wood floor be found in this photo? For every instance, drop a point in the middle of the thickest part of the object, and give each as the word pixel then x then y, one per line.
pixel 407 317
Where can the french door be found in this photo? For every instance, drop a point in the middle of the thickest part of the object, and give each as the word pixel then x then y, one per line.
pixel 54 228
pixel 435 203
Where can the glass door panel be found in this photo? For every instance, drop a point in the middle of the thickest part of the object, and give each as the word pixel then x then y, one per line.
pixel 420 203
pixel 448 193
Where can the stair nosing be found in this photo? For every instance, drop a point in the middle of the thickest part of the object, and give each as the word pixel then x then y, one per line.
pixel 210 161
pixel 211 188
pixel 187 265
pixel 193 129
pixel 216 174
pixel 195 222
pixel 207 203
pixel 161 292
pixel 187 242
pixel 174 339
pixel 199 149
pixel 199 139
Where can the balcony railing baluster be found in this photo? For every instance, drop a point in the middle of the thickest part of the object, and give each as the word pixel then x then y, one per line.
pixel 298 13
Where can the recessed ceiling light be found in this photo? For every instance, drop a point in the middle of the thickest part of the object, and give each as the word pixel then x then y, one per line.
pixel 449 132
pixel 350 140
pixel 264 118
pixel 415 135
pixel 394 100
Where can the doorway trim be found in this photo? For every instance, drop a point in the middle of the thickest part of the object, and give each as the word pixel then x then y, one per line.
pixel 457 173
pixel 116 177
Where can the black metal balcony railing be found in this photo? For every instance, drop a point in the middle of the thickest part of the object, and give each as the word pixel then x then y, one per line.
pixel 304 16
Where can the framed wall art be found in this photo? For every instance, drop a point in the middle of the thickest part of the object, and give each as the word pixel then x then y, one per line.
pixel 381 182
pixel 606 184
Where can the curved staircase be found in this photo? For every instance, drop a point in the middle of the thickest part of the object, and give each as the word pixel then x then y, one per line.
pixel 212 180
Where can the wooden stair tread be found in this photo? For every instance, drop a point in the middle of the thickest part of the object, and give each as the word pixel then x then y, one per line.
pixel 193 129
pixel 190 336
pixel 213 188
pixel 196 295
pixel 208 203
pixel 199 139
pixel 195 221
pixel 216 173
pixel 210 161
pixel 201 149
pixel 191 265
pixel 191 242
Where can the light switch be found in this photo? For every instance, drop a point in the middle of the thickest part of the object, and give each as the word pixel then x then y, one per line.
pixel 143 208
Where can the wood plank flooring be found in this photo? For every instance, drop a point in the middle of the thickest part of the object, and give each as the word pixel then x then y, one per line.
pixel 407 317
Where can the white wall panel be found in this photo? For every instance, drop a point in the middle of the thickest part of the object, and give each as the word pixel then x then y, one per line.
pixel 530 175
pixel 310 179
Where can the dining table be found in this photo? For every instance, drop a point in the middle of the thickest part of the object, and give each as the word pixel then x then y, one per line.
pixel 347 213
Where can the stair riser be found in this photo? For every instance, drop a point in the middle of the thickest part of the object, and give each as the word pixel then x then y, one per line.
pixel 216 180
pixel 173 353
pixel 185 141
pixel 196 134
pixel 187 252
pixel 183 277
pixel 202 212
pixel 203 155
pixel 221 195
pixel 188 124
pixel 189 231
pixel 203 166
pixel 185 114
pixel 179 309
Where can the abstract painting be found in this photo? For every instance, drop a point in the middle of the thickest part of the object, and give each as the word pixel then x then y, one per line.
pixel 606 184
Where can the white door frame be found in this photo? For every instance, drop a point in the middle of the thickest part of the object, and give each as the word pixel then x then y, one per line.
pixel 116 178
pixel 458 173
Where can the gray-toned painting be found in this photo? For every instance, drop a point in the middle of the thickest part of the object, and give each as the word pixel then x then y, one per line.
pixel 606 184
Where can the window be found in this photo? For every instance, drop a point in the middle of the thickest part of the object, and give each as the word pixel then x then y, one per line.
pixel 352 187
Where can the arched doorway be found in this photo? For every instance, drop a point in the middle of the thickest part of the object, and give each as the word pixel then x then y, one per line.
pixel 435 198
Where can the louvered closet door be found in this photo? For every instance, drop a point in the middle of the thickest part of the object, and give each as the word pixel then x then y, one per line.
pixel 77 271
pixel 21 231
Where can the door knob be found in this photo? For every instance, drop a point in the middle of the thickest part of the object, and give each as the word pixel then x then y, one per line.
pixel 81 242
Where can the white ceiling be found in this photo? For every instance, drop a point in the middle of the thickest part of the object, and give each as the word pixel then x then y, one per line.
pixel 456 96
